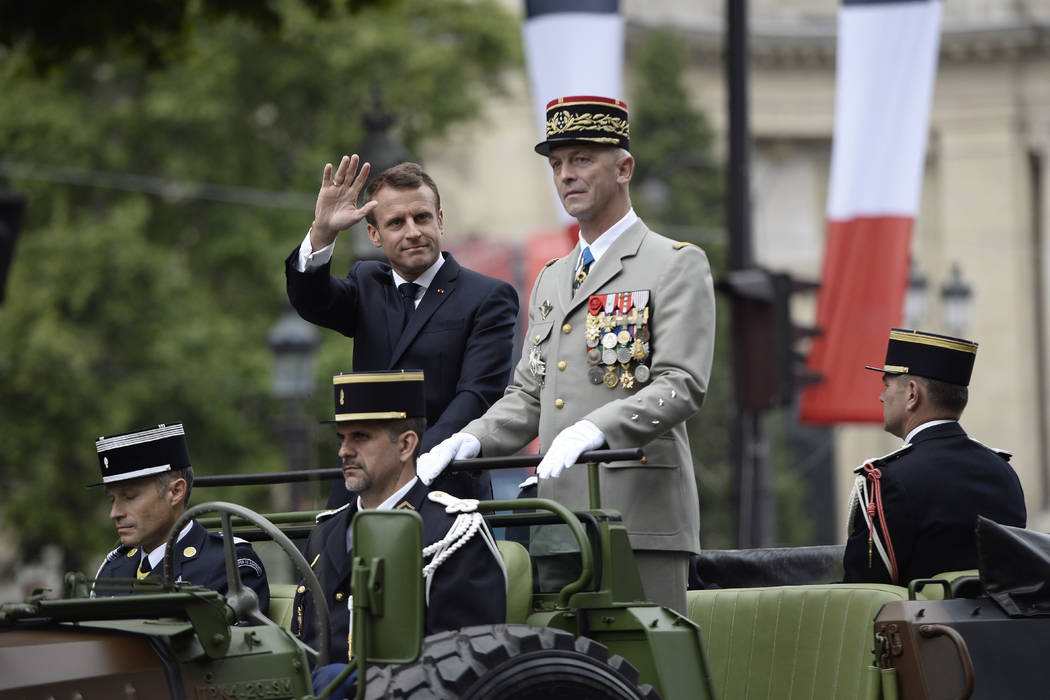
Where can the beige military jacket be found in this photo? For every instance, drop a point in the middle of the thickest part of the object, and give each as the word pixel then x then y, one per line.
pixel 555 385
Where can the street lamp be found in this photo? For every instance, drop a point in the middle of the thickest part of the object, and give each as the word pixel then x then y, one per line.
pixel 382 151
pixel 916 297
pixel 294 344
pixel 956 302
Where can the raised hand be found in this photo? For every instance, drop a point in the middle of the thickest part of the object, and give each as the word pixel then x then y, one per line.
pixel 336 208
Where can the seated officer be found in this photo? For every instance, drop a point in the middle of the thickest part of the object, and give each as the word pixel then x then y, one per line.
pixel 148 478
pixel 913 512
pixel 380 419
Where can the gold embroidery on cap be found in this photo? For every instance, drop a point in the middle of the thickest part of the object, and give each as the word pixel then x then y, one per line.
pixel 570 121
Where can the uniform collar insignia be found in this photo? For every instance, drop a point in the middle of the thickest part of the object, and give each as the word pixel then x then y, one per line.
pixel 404 505
pixel 546 308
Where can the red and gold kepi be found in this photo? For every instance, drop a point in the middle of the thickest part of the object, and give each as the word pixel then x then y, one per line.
pixel 586 119
pixel 388 395
pixel 929 355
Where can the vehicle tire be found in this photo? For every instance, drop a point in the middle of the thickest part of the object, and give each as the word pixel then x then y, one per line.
pixel 510 662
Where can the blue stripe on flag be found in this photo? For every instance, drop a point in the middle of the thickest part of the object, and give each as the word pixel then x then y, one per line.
pixel 536 8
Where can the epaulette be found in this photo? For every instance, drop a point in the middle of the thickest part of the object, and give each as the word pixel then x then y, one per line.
pixel 453 504
pixel 121 548
pixel 879 461
pixel 1005 454
pixel 326 514
pixel 236 539
pixel 551 262
pixel 685 244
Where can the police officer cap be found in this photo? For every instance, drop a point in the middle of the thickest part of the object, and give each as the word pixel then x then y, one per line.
pixel 929 355
pixel 142 453
pixel 379 395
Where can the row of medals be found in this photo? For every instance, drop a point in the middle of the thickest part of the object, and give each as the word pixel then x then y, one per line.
pixel 618 339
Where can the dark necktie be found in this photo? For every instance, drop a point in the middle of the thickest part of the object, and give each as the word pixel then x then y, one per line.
pixel 408 292
pixel 587 259
pixel 144 568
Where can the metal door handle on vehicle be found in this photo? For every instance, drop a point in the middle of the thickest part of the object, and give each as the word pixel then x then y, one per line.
pixel 931 630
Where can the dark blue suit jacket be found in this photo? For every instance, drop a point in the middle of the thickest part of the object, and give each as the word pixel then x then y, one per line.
pixel 932 494
pixel 199 559
pixel 467 589
pixel 461 335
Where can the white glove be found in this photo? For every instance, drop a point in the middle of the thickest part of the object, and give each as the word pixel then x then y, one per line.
pixel 456 446
pixel 567 447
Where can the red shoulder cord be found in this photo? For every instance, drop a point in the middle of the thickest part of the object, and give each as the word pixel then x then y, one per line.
pixel 873 475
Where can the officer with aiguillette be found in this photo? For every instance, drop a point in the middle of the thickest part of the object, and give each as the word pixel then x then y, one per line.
pixel 913 512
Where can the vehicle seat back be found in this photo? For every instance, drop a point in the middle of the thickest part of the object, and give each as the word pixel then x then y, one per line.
pixel 519 580
pixel 519 587
pixel 281 597
pixel 790 642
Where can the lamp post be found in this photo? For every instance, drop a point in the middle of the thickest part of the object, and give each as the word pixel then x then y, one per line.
pixel 916 297
pixel 956 302
pixel 382 151
pixel 294 344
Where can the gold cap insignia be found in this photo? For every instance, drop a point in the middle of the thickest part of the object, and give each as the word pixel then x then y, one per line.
pixel 342 397
pixel 189 552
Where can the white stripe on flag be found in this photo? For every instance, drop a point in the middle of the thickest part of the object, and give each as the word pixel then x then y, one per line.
pixel 573 53
pixel 887 61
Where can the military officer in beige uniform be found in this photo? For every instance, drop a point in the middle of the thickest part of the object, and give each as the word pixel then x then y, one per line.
pixel 617 353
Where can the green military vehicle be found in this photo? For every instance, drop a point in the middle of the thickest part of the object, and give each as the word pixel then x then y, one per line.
pixel 578 625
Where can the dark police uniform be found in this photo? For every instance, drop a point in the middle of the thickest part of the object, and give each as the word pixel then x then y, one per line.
pixel 913 512
pixel 469 588
pixel 932 493
pixel 199 559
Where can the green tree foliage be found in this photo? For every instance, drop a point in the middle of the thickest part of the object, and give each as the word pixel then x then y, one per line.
pixel 677 179
pixel 135 301
pixel 151 29
pixel 678 187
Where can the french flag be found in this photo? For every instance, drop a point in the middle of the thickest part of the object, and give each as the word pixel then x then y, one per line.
pixel 572 47
pixel 886 64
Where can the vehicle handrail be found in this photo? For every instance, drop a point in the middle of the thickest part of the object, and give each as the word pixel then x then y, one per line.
pixel 573 523
pixel 460 465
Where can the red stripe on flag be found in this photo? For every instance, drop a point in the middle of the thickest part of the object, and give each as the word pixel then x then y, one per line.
pixel 861 297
